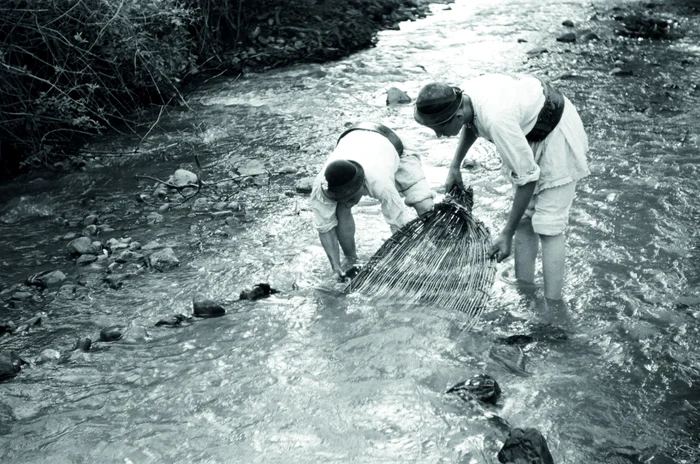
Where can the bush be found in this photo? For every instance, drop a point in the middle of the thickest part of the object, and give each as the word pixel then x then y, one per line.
pixel 70 68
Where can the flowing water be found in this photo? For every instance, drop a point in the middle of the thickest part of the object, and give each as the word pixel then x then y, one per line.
pixel 312 376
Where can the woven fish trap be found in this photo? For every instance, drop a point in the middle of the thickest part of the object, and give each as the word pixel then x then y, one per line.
pixel 439 260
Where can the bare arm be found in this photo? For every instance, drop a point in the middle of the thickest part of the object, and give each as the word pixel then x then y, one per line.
pixel 466 139
pixel 329 241
pixel 501 247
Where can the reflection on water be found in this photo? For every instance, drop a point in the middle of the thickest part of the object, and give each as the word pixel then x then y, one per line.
pixel 309 375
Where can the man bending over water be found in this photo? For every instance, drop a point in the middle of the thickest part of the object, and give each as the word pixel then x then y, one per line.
pixel 369 159
pixel 541 141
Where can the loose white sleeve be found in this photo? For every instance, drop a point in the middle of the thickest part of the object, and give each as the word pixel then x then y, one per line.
pixel 324 217
pixel 392 207
pixel 514 149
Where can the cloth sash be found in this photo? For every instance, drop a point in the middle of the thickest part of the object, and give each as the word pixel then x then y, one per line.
pixel 380 129
pixel 550 114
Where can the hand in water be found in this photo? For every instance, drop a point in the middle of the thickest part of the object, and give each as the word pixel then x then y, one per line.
pixel 349 274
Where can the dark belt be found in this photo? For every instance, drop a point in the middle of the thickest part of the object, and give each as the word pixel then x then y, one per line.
pixel 379 129
pixel 550 114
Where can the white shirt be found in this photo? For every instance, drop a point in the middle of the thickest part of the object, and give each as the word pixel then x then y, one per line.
pixel 380 161
pixel 505 109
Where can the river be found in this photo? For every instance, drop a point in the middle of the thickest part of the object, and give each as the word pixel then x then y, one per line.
pixel 312 376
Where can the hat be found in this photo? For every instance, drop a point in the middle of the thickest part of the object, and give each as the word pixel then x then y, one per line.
pixel 344 178
pixel 437 103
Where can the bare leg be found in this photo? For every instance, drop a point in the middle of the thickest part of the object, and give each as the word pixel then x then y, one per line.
pixel 553 256
pixel 525 248
pixel 346 231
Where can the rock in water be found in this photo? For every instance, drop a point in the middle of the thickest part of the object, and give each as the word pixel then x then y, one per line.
pixel 82 344
pixel 204 307
pixel 258 291
pixel 174 320
pixel 110 334
pixel 525 446
pixel 10 365
pixel 396 96
pixel 481 387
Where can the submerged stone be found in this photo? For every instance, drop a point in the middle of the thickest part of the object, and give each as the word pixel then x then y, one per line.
pixel 525 446
pixel 174 320
pixel 110 334
pixel 10 365
pixel 204 307
pixel 258 291
pixel 481 387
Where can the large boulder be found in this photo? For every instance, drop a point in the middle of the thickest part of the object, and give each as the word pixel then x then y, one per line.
pixel 525 446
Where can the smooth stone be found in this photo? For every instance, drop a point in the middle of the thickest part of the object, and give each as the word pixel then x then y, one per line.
pixel 110 334
pixel 204 307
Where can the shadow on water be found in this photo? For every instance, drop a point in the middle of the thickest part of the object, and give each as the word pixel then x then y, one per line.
pixel 309 375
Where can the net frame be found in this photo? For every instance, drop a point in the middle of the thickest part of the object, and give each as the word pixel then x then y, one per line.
pixel 438 260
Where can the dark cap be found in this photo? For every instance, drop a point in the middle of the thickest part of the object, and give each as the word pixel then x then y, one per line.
pixel 344 178
pixel 437 103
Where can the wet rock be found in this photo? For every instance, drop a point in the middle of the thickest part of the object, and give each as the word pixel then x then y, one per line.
pixel 47 279
pixel 201 204
pixel 537 51
pixel 128 256
pixel 204 307
pixel 134 246
pixel 481 387
pixel 10 365
pixel 642 26
pixel 82 344
pixel 252 168
pixel 288 169
pixel 110 334
pixel 48 355
pixel 6 328
pixel 621 72
pixel 304 185
pixel 90 219
pixel 154 218
pixel 82 246
pixel 258 291
pixel 85 260
pixel 569 37
pixel 163 260
pixel 29 324
pixel 522 40
pixel 396 96
pixel 183 177
pixel 174 320
pixel 21 295
pixel 567 23
pixel 152 245
pixel 136 334
pixel 70 236
pixel 588 36
pixel 525 446
pixel 90 230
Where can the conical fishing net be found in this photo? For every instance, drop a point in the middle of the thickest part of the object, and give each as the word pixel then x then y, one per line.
pixel 439 260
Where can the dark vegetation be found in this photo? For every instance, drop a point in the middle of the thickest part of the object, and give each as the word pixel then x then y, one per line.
pixel 71 69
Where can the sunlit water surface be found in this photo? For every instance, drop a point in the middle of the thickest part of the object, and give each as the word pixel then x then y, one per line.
pixel 312 376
